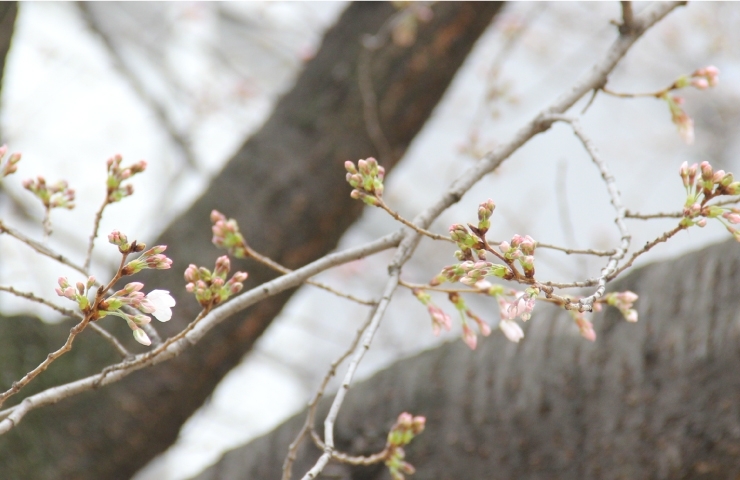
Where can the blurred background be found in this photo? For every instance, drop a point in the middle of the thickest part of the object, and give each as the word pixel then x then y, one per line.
pixel 183 84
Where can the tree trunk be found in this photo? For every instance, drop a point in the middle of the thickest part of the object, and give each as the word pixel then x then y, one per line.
pixel 286 188
pixel 657 399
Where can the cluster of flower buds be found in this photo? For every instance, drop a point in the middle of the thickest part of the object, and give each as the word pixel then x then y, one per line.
pixel 403 431
pixel 702 79
pixel 366 179
pixel 150 259
pixel 470 273
pixel 158 303
pixel 9 165
pixel 58 195
pixel 702 184
pixel 117 175
pixel 226 235
pixel 77 293
pixel 520 249
pixel 623 301
pixel 440 319
pixel 212 288
pixel 467 243
pixel 468 334
pixel 485 210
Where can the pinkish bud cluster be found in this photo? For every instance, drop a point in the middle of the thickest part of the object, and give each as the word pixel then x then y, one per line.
pixel 623 301
pixel 158 303
pixel 440 319
pixel 77 293
pixel 150 259
pixel 10 165
pixel 366 179
pixel 212 288
pixel 57 195
pixel 520 249
pixel 702 184
pixel 467 243
pixel 118 174
pixel 704 78
pixel 402 433
pixel 485 210
pixel 226 235
pixel 120 240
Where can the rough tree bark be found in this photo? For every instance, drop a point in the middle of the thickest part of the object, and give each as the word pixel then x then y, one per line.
pixel 286 188
pixel 654 400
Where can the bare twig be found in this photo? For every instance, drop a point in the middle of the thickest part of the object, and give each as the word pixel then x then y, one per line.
pixel 267 261
pixel 644 249
pixel 627 18
pixel 639 216
pixel 30 296
pixel 616 201
pixel 411 225
pixel 94 234
pixel 41 248
pixel 577 251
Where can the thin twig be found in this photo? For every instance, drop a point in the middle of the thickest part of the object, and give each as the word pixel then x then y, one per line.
pixel 640 216
pixel 267 261
pixel 577 251
pixel 616 201
pixel 30 296
pixel 41 248
pixel 644 249
pixel 94 234
pixel 411 225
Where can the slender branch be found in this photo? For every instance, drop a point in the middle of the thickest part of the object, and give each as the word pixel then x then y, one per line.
pixel 616 201
pixel 412 225
pixel 12 416
pixel 30 296
pixel 576 251
pixel 94 234
pixel 627 18
pixel 41 248
pixel 267 261
pixel 645 249
pixel 639 216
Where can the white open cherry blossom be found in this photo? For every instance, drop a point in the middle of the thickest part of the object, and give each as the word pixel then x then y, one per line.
pixel 162 302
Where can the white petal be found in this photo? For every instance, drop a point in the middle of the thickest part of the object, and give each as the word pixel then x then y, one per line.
pixel 512 330
pixel 162 302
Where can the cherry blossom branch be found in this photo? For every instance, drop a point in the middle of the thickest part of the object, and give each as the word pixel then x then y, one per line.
pixel 667 235
pixel 94 234
pixel 595 78
pixel 410 224
pixel 650 216
pixel 90 315
pixel 12 416
pixel 69 313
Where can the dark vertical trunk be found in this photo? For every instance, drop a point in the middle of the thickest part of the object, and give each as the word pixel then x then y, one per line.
pixel 286 188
